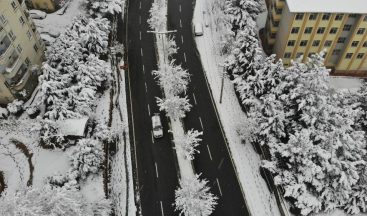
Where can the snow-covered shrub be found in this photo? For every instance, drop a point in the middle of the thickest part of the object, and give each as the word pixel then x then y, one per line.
pixel 103 133
pixel 15 107
pixel 33 111
pixel 48 201
pixel 87 157
pixel 103 8
pixel 50 135
pixel 68 180
pixel 4 113
pixel 175 106
pixel 193 197
pixel 188 142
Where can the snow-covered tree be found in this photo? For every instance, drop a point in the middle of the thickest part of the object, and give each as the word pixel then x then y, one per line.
pixel 87 157
pixel 175 106
pixel 193 197
pixel 170 45
pixel 50 135
pixel 103 8
pixel 173 78
pixel 188 143
pixel 158 18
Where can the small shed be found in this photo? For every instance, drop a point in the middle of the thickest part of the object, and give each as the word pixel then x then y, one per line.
pixel 73 128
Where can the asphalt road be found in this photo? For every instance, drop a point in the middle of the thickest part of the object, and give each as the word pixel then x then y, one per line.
pixel 156 172
pixel 213 161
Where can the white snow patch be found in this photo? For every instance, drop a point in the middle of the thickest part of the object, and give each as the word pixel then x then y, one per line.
pixel 350 83
pixel 327 6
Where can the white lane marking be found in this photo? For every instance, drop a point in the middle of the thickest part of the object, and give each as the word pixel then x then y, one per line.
pixel 162 208
pixel 201 123
pixel 194 99
pixel 220 163
pixel 148 109
pixel 185 56
pixel 152 137
pixel 156 169
pixel 141 52
pixel 220 190
pixel 182 39
pixel 139 19
pixel 140 35
pixel 143 69
pixel 146 89
pixel 180 8
pixel 210 154
pixel 140 5
pixel 180 23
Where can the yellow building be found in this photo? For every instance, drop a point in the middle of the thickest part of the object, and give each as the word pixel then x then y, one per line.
pixel 45 5
pixel 297 28
pixel 21 49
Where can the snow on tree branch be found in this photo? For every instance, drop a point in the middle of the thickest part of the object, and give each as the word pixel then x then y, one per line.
pixel 158 15
pixel 188 143
pixel 175 106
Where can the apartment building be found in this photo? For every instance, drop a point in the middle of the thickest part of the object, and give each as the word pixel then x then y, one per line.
pixel 297 28
pixel 21 50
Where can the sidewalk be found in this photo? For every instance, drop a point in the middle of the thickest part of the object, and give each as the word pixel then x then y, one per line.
pixel 260 200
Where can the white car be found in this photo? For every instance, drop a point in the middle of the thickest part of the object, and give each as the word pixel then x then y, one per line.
pixel 157 126
pixel 37 14
pixel 198 29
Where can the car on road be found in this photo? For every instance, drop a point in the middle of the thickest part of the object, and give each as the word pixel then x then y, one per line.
pixel 157 126
pixel 198 29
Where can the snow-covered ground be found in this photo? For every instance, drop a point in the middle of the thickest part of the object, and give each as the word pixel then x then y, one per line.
pixel 350 83
pixel 260 200
pixel 55 23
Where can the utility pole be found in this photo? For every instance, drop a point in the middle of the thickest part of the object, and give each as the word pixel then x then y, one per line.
pixel 161 34
pixel 222 85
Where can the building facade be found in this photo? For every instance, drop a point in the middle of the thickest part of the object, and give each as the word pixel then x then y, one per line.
pixel 300 28
pixel 45 5
pixel 21 52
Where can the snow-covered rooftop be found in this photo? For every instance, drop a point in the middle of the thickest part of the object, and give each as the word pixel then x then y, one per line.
pixel 328 6
pixel 73 127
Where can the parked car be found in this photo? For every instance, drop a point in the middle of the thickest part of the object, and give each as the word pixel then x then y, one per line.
pixel 198 29
pixel 37 14
pixel 157 126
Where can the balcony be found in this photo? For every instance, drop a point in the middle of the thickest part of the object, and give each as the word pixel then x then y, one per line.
pixel 4 45
pixel 11 62
pixel 18 78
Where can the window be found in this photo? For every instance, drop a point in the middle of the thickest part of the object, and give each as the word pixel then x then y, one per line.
pixel 355 43
pixel 333 30
pixel 12 35
pixel 308 30
pixel 360 55
pixel 298 55
pixel 19 48
pixel 13 5
pixel 352 15
pixel 321 30
pixel 361 31
pixel 35 47
pixel 339 17
pixel 326 17
pixel 278 10
pixel 21 20
pixel 316 43
pixel 365 44
pixel 287 55
pixel 327 43
pixel 291 42
pixel 29 35
pixel 341 39
pixel 303 43
pixel 3 19
pixel 336 52
pixel 299 16
pixel 27 62
pixel 312 16
pixel 348 55
pixel 347 27
pixel 295 30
